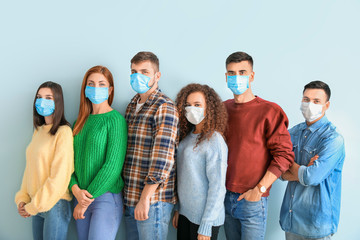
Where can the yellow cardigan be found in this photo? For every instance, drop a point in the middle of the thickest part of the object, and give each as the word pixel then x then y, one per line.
pixel 49 165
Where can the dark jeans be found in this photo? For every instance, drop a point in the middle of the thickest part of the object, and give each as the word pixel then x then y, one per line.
pixel 188 230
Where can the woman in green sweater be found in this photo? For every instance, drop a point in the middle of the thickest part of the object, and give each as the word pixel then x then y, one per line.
pixel 100 138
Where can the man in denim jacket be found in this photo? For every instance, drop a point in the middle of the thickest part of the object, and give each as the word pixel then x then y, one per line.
pixel 311 205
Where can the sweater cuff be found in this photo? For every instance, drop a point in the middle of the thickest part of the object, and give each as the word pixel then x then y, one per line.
pixel 23 198
pixel 205 229
pixel 31 209
pixel 276 171
pixel 301 172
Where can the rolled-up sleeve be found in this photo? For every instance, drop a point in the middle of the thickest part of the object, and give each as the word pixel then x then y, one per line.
pixel 279 144
pixel 331 157
pixel 164 146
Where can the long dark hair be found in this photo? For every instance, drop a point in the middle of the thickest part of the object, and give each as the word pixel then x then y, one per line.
pixel 58 115
pixel 216 114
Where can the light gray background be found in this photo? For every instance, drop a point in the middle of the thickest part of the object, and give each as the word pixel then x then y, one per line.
pixel 292 43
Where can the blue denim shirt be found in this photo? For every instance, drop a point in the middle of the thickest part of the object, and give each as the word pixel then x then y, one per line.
pixel 311 206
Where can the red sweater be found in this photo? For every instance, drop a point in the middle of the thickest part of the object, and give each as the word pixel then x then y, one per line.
pixel 258 140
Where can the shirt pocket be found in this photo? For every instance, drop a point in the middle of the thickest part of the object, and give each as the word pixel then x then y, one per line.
pixel 308 153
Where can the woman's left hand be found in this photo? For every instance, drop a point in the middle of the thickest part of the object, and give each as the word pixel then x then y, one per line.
pixel 203 237
pixel 79 212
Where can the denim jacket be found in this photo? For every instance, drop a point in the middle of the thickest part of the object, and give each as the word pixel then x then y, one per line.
pixel 311 206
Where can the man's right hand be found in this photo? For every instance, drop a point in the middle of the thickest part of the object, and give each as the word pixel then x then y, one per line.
pixel 175 220
pixel 82 196
pixel 312 160
pixel 142 209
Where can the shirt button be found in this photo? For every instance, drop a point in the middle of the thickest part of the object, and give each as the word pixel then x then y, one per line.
pixel 305 136
pixel 292 196
pixel 290 210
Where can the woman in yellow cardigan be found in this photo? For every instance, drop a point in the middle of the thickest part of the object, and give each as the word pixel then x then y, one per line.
pixel 49 164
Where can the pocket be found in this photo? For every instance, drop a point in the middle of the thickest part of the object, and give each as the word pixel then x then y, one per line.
pixel 250 209
pixel 117 199
pixel 309 152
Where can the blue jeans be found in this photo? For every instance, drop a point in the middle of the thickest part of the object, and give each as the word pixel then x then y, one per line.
pixel 102 218
pixel 292 236
pixel 243 219
pixel 52 224
pixel 153 228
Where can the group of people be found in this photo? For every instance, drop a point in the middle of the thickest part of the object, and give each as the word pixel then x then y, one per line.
pixel 198 162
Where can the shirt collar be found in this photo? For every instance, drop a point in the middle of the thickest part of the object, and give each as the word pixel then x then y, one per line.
pixel 153 96
pixel 318 124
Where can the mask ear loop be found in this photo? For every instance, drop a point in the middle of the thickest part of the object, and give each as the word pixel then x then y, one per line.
pixel 147 84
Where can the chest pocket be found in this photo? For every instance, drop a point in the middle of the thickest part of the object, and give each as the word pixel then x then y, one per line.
pixel 308 153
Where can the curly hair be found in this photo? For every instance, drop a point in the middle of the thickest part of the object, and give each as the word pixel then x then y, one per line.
pixel 216 114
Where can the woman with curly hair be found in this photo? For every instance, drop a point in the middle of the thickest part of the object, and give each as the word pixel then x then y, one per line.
pixel 201 163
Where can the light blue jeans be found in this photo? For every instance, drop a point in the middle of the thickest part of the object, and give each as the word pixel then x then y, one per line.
pixel 53 224
pixel 243 219
pixel 153 228
pixel 102 218
pixel 292 236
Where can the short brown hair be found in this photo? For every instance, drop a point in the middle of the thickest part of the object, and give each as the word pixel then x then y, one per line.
pixel 146 56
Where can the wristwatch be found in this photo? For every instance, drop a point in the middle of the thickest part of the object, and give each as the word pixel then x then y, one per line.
pixel 261 188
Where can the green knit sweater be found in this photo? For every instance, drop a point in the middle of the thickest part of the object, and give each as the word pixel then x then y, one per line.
pixel 99 154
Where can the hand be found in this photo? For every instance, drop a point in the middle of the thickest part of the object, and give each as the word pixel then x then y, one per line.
pixel 79 212
pixel 82 196
pixel 175 219
pixel 312 160
pixel 252 195
pixel 203 237
pixel 21 210
pixel 288 176
pixel 142 209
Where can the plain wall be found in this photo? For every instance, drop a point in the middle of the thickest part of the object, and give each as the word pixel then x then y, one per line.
pixel 292 43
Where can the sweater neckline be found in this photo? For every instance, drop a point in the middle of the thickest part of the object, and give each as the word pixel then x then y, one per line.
pixel 102 114
pixel 255 100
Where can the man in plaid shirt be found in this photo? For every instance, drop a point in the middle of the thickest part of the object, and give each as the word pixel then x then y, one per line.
pixel 149 168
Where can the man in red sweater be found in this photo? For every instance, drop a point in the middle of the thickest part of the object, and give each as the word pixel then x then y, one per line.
pixel 260 150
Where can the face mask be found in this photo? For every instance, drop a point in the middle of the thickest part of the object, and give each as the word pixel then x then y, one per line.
pixel 194 114
pixel 311 111
pixel 140 82
pixel 44 107
pixel 97 95
pixel 238 84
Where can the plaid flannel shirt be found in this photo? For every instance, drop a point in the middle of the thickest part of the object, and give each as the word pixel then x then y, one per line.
pixel 152 143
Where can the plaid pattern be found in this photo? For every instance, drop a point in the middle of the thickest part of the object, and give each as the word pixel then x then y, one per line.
pixel 152 143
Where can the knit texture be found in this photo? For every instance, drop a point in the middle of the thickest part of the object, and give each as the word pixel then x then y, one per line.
pixel 258 141
pixel 99 153
pixel 49 165
pixel 201 181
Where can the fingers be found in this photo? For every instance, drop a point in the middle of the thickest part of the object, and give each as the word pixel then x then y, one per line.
pixel 141 215
pixel 202 237
pixel 175 221
pixel 87 194
pixel 78 212
pixel 241 197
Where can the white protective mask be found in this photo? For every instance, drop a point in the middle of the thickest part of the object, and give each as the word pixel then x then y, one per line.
pixel 194 114
pixel 311 111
